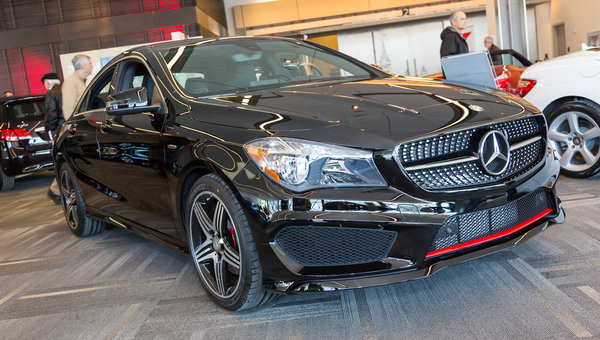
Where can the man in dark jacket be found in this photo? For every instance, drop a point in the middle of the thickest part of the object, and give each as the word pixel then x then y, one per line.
pixel 452 39
pixel 54 115
pixel 488 42
pixel 54 118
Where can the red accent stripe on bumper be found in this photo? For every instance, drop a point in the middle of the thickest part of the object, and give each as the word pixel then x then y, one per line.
pixel 491 237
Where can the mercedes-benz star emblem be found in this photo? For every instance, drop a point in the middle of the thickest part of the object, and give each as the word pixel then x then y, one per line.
pixel 494 152
pixel 476 108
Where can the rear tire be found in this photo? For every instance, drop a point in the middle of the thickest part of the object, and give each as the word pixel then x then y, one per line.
pixel 222 247
pixel 574 133
pixel 6 182
pixel 74 205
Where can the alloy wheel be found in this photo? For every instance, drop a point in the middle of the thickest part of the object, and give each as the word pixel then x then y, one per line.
pixel 69 200
pixel 215 247
pixel 576 139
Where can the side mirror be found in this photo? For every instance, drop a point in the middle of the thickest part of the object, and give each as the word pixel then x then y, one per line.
pixel 130 101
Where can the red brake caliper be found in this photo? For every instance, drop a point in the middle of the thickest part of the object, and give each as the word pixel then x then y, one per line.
pixel 232 231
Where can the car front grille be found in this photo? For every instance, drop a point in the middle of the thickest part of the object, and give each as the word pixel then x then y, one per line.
pixel 448 161
pixel 334 246
pixel 463 228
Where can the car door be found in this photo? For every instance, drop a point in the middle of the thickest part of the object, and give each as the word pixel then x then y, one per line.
pixel 133 156
pixel 79 139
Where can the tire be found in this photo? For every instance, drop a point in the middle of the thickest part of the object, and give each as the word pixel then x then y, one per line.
pixel 222 247
pixel 574 133
pixel 74 205
pixel 6 182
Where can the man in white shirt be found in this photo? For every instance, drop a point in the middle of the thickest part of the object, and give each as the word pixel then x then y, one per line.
pixel 74 85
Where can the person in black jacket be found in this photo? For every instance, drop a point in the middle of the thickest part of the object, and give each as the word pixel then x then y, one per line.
pixel 452 39
pixel 488 42
pixel 54 118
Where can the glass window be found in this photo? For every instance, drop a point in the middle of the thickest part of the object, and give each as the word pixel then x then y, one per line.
pixel 508 59
pixel 237 64
pixel 135 74
pixel 25 111
pixel 98 94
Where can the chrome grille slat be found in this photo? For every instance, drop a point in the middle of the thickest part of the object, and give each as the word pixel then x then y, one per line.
pixel 424 163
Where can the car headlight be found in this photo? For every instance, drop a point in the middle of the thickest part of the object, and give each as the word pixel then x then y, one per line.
pixel 301 165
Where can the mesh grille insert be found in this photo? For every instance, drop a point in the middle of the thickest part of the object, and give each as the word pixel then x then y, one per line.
pixel 472 226
pixel 471 174
pixel 333 246
pixel 454 146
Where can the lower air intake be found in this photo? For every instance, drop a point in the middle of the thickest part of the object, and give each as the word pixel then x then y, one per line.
pixel 464 228
pixel 334 246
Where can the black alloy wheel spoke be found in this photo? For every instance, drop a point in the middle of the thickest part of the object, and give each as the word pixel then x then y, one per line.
pixel 205 225
pixel 220 275
pixel 211 234
pixel 231 256
pixel 218 217
pixel 205 251
pixel 72 212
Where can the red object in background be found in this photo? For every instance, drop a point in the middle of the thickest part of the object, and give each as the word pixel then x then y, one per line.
pixel 162 5
pixel 14 135
pixel 19 85
pixel 466 35
pixel 170 29
pixel 36 64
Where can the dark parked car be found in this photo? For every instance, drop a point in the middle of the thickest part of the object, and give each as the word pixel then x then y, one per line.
pixel 24 144
pixel 284 166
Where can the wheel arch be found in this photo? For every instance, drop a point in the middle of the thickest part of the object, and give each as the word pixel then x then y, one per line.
pixel 188 177
pixel 560 101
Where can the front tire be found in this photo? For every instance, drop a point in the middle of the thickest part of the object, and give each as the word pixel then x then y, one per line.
pixel 222 247
pixel 74 206
pixel 574 133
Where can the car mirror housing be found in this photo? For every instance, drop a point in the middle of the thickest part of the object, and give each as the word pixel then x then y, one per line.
pixel 130 101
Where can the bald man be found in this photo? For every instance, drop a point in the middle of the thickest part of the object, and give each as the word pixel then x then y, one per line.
pixel 452 39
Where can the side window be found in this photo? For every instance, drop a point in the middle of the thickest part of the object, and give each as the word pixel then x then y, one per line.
pixel 135 74
pixel 98 93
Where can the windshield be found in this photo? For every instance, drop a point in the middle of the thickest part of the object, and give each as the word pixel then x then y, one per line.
pixel 237 65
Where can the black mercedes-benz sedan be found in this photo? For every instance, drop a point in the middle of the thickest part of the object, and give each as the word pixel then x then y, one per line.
pixel 25 146
pixel 283 166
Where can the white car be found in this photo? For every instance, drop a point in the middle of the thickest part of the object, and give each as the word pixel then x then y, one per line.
pixel 567 90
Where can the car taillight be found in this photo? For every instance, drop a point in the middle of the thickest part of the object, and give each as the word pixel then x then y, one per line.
pixel 502 81
pixel 524 86
pixel 14 135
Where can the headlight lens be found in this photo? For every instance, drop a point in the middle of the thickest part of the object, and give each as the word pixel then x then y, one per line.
pixel 303 165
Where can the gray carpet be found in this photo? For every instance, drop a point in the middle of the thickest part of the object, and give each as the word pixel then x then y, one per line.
pixel 54 285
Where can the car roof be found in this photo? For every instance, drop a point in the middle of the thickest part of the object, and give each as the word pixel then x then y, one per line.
pixel 177 43
pixel 27 98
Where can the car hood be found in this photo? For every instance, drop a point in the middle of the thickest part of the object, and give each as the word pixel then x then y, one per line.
pixel 375 113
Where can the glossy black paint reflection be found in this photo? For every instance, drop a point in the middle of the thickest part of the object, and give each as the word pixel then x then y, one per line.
pixel 136 170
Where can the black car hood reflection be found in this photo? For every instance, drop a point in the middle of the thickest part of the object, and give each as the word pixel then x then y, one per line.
pixel 378 112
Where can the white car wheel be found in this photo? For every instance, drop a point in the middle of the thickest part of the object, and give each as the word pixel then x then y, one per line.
pixel 574 133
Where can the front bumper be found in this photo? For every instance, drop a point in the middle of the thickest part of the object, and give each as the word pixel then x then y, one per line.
pixel 416 223
pixel 427 270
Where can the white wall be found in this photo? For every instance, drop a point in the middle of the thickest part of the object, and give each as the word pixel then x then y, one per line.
pixel 580 18
pixel 407 49
pixel 544 31
pixel 229 5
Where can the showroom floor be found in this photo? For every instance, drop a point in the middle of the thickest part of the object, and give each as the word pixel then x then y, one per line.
pixel 116 284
